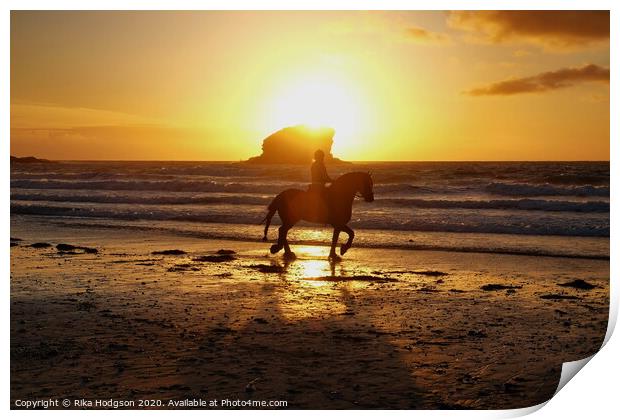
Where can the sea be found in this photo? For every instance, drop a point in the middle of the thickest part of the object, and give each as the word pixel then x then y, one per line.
pixel 558 209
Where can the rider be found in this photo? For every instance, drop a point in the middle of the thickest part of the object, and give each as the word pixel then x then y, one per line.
pixel 319 176
pixel 318 172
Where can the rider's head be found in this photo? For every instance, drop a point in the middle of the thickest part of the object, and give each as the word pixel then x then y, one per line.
pixel 319 155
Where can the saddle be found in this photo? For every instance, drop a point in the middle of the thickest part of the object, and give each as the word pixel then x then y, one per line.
pixel 317 204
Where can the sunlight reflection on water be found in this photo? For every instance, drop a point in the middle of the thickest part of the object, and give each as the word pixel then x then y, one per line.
pixel 308 296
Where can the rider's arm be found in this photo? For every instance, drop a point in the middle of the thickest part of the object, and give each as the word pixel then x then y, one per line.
pixel 326 176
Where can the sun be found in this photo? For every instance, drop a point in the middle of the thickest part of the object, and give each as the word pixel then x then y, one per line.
pixel 316 99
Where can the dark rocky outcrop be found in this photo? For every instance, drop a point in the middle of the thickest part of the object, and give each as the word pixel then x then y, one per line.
pixel 40 245
pixel 297 145
pixel 169 252
pixel 215 258
pixel 28 159
pixel 68 248
pixel 578 284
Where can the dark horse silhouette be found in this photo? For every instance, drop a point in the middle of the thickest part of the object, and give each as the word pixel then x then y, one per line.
pixel 294 205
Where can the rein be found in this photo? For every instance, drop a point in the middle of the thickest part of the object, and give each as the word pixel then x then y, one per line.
pixel 356 194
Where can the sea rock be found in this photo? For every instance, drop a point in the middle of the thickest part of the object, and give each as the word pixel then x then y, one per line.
pixel 28 159
pixel 40 245
pixel 183 267
pixel 578 284
pixel 431 273
pixel 494 287
pixel 360 277
pixel 225 252
pixel 554 296
pixel 68 248
pixel 297 144
pixel 264 268
pixel 169 252
pixel 215 258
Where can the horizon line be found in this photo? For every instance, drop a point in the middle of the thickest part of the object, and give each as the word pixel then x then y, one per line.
pixel 342 161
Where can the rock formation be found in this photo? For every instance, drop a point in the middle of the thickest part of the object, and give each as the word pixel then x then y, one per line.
pixel 296 145
pixel 28 159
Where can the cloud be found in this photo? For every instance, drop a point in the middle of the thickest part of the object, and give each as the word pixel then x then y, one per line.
pixel 110 142
pixel 24 115
pixel 543 82
pixel 554 29
pixel 521 53
pixel 418 34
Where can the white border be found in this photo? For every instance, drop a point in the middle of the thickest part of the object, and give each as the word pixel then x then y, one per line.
pixel 592 394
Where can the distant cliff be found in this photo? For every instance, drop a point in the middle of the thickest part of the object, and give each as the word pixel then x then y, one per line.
pixel 296 145
pixel 28 159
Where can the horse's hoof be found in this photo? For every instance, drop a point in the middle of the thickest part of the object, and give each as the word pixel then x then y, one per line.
pixel 344 248
pixel 275 248
pixel 289 256
pixel 334 258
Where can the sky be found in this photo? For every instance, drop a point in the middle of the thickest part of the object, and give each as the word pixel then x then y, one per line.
pixel 211 85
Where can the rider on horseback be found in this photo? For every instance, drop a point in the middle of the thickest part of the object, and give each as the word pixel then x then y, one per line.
pixel 319 177
pixel 318 172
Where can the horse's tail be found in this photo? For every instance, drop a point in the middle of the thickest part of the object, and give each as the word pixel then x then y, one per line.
pixel 273 207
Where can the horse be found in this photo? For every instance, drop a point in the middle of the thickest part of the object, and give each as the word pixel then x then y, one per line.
pixel 331 207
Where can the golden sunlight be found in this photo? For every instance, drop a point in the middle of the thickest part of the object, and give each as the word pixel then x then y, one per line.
pixel 324 98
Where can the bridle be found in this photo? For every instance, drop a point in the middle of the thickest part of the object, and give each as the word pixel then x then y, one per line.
pixel 360 195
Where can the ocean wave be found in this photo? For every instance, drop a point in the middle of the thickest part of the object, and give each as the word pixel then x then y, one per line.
pixel 576 179
pixel 158 199
pixel 142 185
pixel 257 183
pixel 532 190
pixel 191 185
pixel 519 204
pixel 591 248
pixel 425 173
pixel 525 204
pixel 428 221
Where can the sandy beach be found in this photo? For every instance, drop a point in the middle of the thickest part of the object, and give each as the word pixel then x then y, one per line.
pixel 463 155
pixel 147 316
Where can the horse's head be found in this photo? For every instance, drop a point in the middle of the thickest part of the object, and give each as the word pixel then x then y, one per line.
pixel 366 188
pixel 355 183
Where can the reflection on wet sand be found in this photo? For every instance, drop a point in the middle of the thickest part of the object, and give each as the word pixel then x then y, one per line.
pixel 311 356
pixel 315 286
pixel 385 329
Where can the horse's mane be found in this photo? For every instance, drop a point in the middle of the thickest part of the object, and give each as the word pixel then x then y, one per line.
pixel 345 180
pixel 345 177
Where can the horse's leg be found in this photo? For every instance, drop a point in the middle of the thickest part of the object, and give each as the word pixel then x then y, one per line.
pixel 288 254
pixel 332 251
pixel 282 231
pixel 345 247
pixel 275 248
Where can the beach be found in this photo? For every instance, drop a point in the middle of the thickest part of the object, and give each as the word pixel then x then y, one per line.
pixel 162 162
pixel 135 314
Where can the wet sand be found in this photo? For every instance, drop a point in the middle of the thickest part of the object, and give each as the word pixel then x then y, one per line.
pixel 380 329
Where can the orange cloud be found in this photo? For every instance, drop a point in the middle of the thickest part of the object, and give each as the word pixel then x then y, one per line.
pixel 111 142
pixel 544 82
pixel 559 29
pixel 417 34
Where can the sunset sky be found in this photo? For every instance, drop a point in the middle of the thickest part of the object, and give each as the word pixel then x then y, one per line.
pixel 394 85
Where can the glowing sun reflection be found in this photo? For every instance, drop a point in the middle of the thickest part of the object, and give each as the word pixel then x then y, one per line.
pixel 307 295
